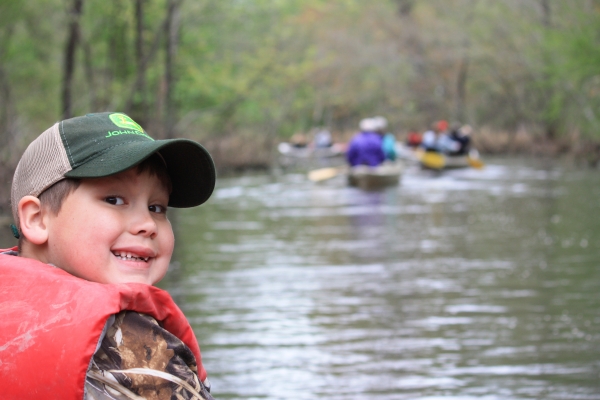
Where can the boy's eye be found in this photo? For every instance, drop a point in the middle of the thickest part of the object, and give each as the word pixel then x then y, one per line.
pixel 157 208
pixel 115 200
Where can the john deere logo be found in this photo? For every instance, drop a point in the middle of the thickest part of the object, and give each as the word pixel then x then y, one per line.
pixel 123 121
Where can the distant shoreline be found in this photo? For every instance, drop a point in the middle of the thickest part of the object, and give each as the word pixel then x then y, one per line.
pixel 237 154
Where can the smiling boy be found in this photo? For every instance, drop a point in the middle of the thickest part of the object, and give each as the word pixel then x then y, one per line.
pixel 132 239
pixel 78 315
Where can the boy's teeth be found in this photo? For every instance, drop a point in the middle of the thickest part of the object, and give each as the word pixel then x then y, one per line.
pixel 129 256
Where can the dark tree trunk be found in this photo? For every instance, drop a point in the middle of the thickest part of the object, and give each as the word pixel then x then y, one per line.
pixel 145 54
pixel 69 60
pixel 405 7
pixel 461 88
pixel 550 126
pixel 89 75
pixel 172 36
pixel 546 13
pixel 5 98
pixel 139 105
pixel 5 110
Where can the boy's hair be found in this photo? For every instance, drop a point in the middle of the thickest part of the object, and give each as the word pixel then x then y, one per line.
pixel 104 144
pixel 53 197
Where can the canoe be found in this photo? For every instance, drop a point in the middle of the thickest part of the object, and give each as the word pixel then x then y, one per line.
pixel 370 178
pixel 438 161
pixel 456 161
pixel 289 150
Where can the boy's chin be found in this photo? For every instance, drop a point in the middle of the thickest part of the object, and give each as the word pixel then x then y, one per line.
pixel 133 277
pixel 136 272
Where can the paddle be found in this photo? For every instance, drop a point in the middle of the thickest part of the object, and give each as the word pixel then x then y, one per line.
pixel 322 174
pixel 473 159
pixel 475 162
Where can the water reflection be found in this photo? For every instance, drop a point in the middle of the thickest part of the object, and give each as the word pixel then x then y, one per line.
pixel 468 284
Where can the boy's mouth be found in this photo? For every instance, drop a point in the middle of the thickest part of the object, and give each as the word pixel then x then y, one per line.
pixel 127 256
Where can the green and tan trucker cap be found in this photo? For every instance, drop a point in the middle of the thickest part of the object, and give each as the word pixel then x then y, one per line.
pixel 103 144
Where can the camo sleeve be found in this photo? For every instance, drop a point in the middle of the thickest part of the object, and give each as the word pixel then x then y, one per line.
pixel 139 359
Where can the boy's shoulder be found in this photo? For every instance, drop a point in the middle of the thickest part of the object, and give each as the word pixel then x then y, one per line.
pixel 134 341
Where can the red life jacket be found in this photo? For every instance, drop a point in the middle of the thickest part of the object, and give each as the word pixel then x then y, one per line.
pixel 51 322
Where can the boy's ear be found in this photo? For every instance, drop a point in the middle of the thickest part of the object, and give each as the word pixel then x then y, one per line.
pixel 31 217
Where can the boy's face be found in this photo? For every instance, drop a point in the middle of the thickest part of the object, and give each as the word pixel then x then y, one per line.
pixel 113 230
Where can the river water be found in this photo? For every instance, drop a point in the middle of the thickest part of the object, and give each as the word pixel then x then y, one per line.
pixel 470 284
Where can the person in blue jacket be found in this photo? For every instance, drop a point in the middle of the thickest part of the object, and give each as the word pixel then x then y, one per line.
pixel 388 140
pixel 366 147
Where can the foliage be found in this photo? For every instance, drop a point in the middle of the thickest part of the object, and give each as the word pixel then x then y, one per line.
pixel 270 68
pixel 574 73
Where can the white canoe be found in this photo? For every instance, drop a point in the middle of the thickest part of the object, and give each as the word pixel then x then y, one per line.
pixel 369 178
pixel 289 150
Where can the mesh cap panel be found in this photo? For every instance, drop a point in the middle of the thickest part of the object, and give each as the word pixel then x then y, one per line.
pixel 43 164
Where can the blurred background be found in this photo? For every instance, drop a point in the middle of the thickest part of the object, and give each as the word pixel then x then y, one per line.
pixel 242 75
pixel 470 283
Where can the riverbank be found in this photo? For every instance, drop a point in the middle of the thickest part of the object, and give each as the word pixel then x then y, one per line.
pixel 233 154
pixel 236 153
pixel 524 142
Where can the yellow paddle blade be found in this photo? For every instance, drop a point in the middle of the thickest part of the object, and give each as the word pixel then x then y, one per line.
pixel 475 162
pixel 322 174
pixel 433 160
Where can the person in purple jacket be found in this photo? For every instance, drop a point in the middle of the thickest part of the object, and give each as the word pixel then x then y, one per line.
pixel 365 148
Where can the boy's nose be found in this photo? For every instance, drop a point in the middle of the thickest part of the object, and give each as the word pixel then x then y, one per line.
pixel 143 224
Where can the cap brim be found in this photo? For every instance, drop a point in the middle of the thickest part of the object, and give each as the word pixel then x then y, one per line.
pixel 189 166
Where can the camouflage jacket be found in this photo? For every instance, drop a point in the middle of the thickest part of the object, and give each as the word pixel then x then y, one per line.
pixel 138 359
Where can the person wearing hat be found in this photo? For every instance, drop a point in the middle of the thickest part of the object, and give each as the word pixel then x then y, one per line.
pixel 460 138
pixel 429 139
pixel 388 140
pixel 81 317
pixel 437 139
pixel 365 148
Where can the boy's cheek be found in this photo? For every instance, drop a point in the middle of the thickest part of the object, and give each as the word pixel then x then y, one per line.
pixel 171 235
